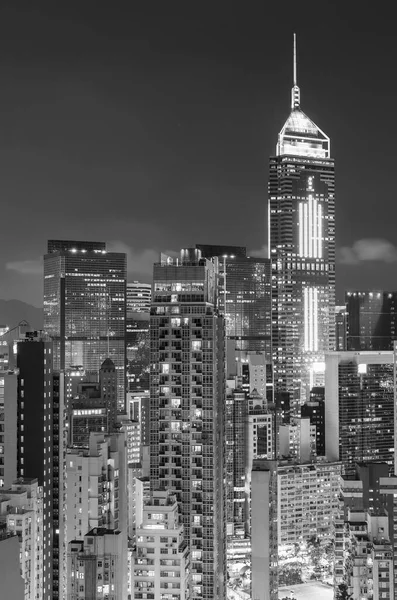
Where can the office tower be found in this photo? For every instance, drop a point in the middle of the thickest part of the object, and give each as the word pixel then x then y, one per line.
pixel 96 481
pixel 8 338
pixel 35 438
pixel 245 300
pixel 371 320
pixel 161 559
pixel 187 397
pixel 21 512
pixel 139 296
pixel 12 584
pixel 84 306
pixel 308 500
pixel 340 328
pixel 264 583
pixel 359 408
pixel 314 409
pixel 8 427
pixel 98 566
pixel 302 252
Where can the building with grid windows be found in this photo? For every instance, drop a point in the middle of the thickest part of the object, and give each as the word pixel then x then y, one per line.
pixel 302 252
pixel 308 500
pixel 187 400
pixel 98 566
pixel 359 408
pixel 161 559
pixel 371 320
pixel 85 306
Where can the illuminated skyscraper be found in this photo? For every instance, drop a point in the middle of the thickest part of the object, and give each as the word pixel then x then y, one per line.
pixel 84 306
pixel 302 253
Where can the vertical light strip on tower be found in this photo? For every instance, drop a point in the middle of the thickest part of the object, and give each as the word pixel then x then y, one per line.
pixel 320 231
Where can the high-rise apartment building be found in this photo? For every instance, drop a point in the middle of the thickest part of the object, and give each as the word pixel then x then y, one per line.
pixel 161 558
pixel 98 566
pixel 187 399
pixel 85 306
pixel 97 485
pixel 302 252
pixel 35 440
pixel 359 408
pixel 8 427
pixel 264 581
pixel 371 320
pixel 308 500
pixel 21 510
pixel 12 584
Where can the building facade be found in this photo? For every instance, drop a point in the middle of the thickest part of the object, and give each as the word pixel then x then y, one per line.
pixel 160 566
pixel 187 399
pixel 302 252
pixel 359 408
pixel 371 320
pixel 85 306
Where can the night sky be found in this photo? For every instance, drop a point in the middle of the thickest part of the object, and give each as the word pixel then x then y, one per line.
pixel 149 125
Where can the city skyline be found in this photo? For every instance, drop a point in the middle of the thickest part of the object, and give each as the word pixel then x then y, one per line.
pixel 123 115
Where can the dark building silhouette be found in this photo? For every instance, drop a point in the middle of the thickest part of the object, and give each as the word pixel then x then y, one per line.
pixel 371 320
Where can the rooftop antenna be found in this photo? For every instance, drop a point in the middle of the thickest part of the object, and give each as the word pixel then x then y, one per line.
pixel 295 93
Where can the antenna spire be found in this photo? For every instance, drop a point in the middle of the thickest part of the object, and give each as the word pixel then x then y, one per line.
pixel 295 95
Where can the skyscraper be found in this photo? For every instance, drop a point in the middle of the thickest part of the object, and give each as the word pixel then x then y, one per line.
pixel 84 306
pixel 302 252
pixel 187 403
pixel 359 408
pixel 371 320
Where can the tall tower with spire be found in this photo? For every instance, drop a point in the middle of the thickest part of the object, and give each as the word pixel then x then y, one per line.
pixel 302 251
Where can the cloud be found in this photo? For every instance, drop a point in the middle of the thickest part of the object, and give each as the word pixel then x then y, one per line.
pixel 26 267
pixel 259 253
pixel 369 249
pixel 139 262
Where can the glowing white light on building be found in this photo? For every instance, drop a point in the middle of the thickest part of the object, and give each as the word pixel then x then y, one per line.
pixel 310 228
pixel 311 318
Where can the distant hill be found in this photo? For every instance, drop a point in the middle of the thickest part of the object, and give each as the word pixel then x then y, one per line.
pixel 14 311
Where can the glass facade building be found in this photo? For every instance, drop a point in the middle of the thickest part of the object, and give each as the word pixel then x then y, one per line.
pixel 85 306
pixel 187 406
pixel 359 408
pixel 371 320
pixel 302 252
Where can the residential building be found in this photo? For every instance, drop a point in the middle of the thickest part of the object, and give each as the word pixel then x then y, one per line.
pixel 8 427
pixel 264 583
pixel 308 500
pixel 187 399
pixel 139 296
pixel 371 320
pixel 298 440
pixel 21 513
pixel 359 408
pixel 161 560
pixel 38 450
pixel 85 306
pixel 98 566
pixel 12 584
pixel 97 485
pixel 302 253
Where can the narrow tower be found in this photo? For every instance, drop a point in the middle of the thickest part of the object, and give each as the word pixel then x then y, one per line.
pixel 302 252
